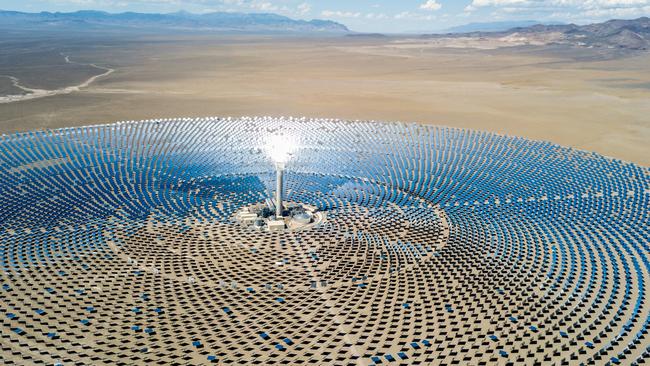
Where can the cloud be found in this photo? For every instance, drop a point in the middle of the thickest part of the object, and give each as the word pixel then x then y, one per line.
pixel 304 8
pixel 340 14
pixel 288 8
pixel 575 9
pixel 377 16
pixel 264 6
pixel 483 3
pixel 432 5
pixel 413 16
pixel 576 4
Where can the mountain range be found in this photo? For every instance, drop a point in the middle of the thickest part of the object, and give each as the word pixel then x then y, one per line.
pixel 625 34
pixel 219 21
pixel 492 26
pixel 631 34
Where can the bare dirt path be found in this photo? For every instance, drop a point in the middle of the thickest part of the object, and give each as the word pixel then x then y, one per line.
pixel 41 93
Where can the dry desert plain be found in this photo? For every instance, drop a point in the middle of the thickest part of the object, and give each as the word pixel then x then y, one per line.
pixel 590 99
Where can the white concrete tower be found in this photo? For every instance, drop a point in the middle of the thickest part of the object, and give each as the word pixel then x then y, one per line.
pixel 279 188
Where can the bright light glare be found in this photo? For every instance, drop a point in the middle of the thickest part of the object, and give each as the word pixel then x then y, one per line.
pixel 280 148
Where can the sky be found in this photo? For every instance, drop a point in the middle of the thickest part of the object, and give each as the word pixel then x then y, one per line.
pixel 387 16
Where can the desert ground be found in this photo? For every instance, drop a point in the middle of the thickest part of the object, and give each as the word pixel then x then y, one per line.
pixel 589 99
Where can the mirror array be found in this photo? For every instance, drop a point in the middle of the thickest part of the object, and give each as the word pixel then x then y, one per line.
pixel 119 245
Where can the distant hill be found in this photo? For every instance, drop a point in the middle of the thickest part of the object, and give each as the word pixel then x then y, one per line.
pixel 490 27
pixel 631 34
pixel 366 35
pixel 220 21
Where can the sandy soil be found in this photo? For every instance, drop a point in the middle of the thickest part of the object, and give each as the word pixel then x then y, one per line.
pixel 482 43
pixel 7 87
pixel 587 104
